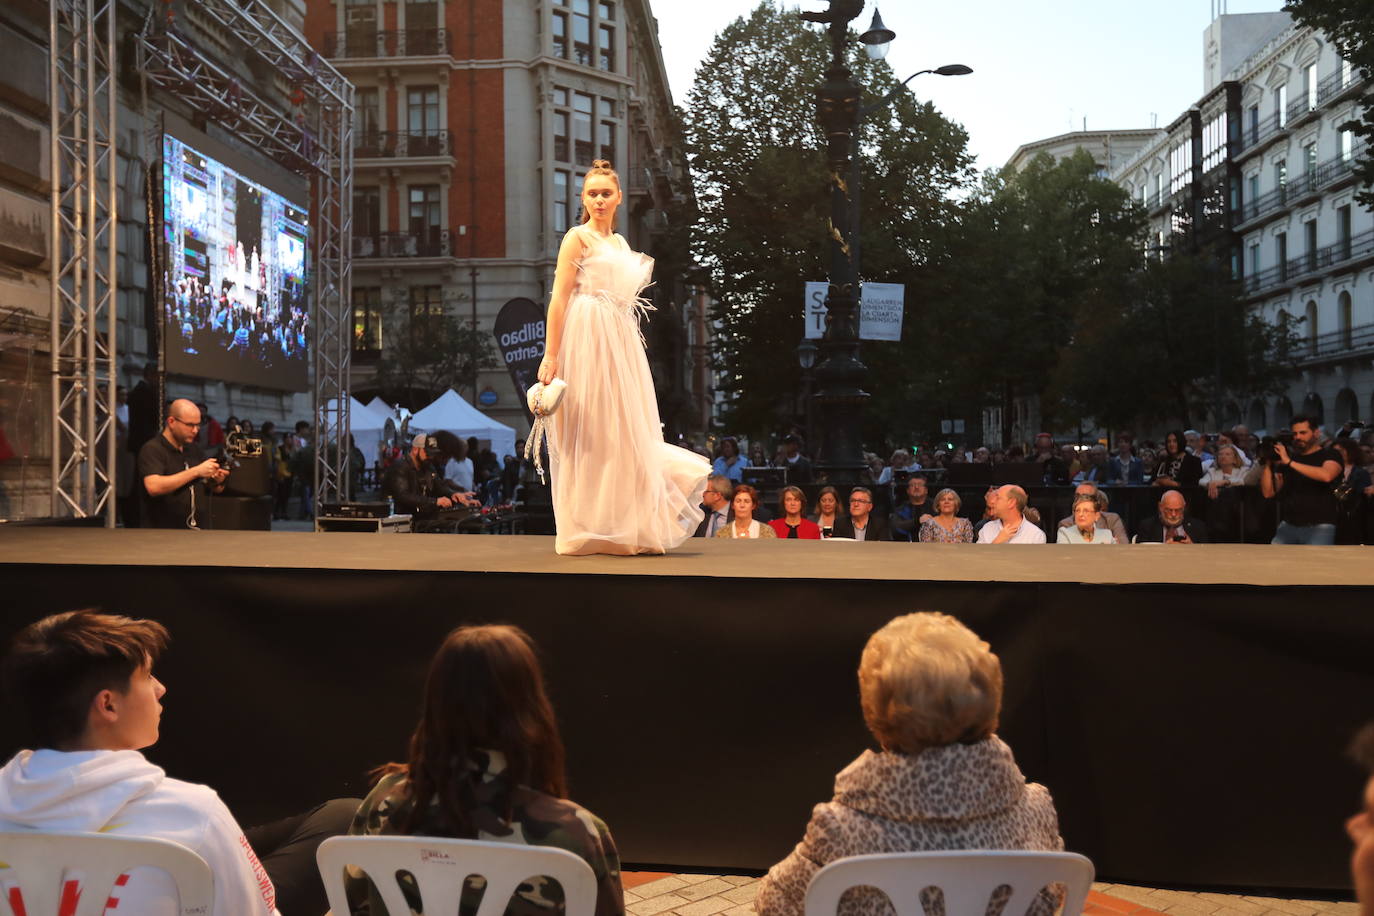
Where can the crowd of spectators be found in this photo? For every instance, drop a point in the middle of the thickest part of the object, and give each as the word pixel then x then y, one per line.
pixel 1307 485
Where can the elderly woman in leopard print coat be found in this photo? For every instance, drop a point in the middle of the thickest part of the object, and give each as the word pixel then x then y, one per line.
pixel 931 693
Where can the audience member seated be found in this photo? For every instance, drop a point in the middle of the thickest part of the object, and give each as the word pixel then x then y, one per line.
pixel 907 519
pixel 861 524
pixel 1177 468
pixel 798 465
pixel 1095 470
pixel 1361 826
pixel 1009 524
pixel 1173 524
pixel 828 510
pixel 1108 520
pixel 946 526
pixel 1086 527
pixel 792 525
pixel 744 525
pixel 730 463
pixel 901 460
pixel 81 689
pixel 486 762
pixel 1052 463
pixel 715 502
pixel 931 693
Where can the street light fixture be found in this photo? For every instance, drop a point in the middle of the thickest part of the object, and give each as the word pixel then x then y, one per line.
pixel 878 38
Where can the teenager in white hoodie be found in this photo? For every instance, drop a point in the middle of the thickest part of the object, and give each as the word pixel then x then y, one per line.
pixel 83 684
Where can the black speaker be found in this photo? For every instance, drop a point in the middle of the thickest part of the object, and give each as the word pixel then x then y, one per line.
pixel 241 513
pixel 249 478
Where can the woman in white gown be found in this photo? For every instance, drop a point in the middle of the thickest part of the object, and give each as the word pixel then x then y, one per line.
pixel 618 488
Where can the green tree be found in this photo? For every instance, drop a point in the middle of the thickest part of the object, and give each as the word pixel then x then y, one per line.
pixel 428 354
pixel 1350 24
pixel 757 156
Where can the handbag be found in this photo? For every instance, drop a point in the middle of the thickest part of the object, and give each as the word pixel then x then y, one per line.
pixel 543 401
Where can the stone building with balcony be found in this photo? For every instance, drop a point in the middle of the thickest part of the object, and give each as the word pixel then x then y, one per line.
pixel 1260 171
pixel 476 122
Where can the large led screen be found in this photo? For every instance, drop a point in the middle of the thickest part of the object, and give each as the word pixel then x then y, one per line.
pixel 236 291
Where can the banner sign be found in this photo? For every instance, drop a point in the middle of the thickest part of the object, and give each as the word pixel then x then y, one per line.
pixel 519 334
pixel 880 314
pixel 814 309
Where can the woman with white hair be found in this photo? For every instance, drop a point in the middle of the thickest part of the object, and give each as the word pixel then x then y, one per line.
pixel 931 692
pixel 1085 530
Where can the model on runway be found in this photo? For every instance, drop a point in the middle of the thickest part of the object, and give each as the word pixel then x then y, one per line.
pixel 618 488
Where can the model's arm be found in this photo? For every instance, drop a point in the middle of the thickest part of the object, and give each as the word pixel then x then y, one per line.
pixel 564 278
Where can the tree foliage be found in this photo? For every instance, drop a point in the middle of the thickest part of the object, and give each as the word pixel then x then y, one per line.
pixel 1350 24
pixel 429 354
pixel 757 156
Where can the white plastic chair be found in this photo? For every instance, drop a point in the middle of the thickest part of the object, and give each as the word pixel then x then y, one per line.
pixel 440 867
pixel 967 878
pixel 38 863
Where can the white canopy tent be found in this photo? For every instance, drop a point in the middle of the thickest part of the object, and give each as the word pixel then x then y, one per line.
pixel 366 425
pixel 377 405
pixel 449 411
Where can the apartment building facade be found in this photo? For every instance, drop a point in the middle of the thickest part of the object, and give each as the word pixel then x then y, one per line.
pixel 476 123
pixel 1260 171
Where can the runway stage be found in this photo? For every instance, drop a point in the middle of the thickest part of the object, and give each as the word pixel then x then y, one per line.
pixel 1187 707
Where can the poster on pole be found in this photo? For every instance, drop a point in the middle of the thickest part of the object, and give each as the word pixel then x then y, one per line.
pixel 519 333
pixel 880 311
pixel 814 310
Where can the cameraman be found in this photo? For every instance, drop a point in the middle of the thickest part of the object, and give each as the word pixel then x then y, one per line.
pixel 1301 478
pixel 177 478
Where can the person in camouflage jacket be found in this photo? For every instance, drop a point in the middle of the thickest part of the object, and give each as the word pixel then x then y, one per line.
pixel 487 800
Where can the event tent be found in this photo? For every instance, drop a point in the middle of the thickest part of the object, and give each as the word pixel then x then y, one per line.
pixel 366 425
pixel 449 411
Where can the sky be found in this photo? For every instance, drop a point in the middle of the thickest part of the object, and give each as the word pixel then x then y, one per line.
pixel 1041 67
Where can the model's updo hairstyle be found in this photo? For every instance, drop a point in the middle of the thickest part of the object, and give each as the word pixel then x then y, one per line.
pixel 599 167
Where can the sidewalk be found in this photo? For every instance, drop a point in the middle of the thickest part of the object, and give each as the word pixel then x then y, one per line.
pixel 662 894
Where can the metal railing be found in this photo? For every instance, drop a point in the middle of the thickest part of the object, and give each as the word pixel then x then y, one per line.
pixel 435 244
pixel 1300 108
pixel 1345 340
pixel 1253 135
pixel 1333 85
pixel 386 144
pixel 1355 248
pixel 1341 166
pixel 373 43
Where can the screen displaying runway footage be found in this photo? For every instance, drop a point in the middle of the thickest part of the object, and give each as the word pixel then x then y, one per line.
pixel 236 296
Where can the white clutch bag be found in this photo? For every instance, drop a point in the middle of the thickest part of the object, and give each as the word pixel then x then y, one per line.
pixel 543 400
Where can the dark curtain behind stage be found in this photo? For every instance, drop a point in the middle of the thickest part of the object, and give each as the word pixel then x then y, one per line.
pixel 1190 735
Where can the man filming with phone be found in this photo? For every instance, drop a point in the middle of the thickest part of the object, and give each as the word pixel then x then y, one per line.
pixel 1300 475
pixel 177 477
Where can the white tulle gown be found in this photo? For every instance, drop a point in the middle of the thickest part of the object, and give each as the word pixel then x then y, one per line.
pixel 618 488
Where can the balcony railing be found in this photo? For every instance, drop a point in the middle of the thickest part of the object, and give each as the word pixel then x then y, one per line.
pixel 1332 343
pixel 1356 248
pixel 433 244
pixel 1340 167
pixel 1253 135
pixel 1300 107
pixel 1333 85
pixel 386 144
pixel 371 43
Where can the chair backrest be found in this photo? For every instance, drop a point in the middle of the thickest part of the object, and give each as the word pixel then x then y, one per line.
pixel 967 878
pixel 40 865
pixel 441 865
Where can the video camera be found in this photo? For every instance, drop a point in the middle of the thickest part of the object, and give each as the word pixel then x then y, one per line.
pixel 1267 453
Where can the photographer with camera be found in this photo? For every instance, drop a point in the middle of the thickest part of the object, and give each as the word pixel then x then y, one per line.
pixel 177 477
pixel 1301 475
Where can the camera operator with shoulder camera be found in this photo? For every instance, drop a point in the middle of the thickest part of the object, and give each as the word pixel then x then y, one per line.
pixel 1301 475
pixel 415 485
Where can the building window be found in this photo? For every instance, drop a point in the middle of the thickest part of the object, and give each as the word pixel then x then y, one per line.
pixel 1281 178
pixel 605 58
pixel 606 10
pixel 1343 231
pixel 1347 73
pixel 1281 254
pixel 582 32
pixel 560 136
pixel 1309 86
pixel 367 112
pixel 360 28
pixel 367 213
pixel 561 218
pixel 1281 105
pixel 1347 145
pixel 1254 124
pixel 1214 142
pixel 426 311
pixel 1309 230
pixel 422 16
pixel 1180 167
pixel 560 35
pixel 582 128
pixel 422 111
pixel 606 138
pixel 1309 160
pixel 1254 258
pixel 424 220
pixel 1346 318
pixel 367 318
pixel 1311 329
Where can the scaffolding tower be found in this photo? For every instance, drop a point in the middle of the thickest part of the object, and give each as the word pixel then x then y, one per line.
pixel 311 134
pixel 81 87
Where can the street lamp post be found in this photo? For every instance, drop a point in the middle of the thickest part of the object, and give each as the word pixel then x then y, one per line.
pixel 841 373
pixel 806 357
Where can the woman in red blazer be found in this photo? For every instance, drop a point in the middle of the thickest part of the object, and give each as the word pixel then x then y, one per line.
pixel 792 524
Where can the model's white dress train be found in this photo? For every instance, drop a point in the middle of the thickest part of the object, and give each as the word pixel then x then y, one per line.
pixel 618 488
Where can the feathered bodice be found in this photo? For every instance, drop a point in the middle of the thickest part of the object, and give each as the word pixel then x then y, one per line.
pixel 614 273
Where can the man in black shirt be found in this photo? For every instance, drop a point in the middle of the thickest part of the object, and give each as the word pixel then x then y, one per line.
pixel 176 475
pixel 416 487
pixel 1302 481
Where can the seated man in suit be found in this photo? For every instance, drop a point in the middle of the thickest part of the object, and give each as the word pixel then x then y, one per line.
pixel 861 524
pixel 1172 526
pixel 1108 520
pixel 715 502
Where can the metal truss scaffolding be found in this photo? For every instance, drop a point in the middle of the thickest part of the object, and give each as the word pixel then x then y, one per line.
pixel 82 256
pixel 312 134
